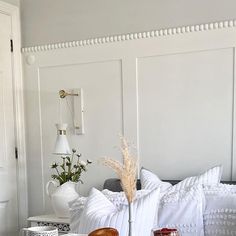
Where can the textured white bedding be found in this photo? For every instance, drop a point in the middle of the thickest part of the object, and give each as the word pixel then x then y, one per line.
pixel 197 206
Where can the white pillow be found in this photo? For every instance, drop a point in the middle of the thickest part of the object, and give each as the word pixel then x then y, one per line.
pixel 150 181
pixel 100 212
pixel 76 208
pixel 117 198
pixel 220 213
pixel 210 177
pixel 183 210
pixel 219 189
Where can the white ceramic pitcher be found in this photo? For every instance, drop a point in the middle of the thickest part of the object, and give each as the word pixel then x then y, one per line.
pixel 61 196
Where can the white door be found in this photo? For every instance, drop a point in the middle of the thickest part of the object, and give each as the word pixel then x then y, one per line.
pixel 8 181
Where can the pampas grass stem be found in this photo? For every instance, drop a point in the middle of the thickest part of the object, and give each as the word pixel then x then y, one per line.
pixel 126 171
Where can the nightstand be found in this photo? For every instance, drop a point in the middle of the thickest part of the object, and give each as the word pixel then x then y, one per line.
pixel 63 224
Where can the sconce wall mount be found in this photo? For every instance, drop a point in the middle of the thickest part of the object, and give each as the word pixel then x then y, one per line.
pixel 78 108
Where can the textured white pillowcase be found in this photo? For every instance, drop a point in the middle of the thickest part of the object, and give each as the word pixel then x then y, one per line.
pixel 117 198
pixel 183 210
pixel 100 212
pixel 76 208
pixel 211 177
pixel 182 213
pixel 220 213
pixel 150 181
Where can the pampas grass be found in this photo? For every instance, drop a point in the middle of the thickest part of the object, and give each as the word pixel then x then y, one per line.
pixel 126 171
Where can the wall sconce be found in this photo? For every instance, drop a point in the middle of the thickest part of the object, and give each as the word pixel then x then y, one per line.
pixel 61 146
pixel 77 104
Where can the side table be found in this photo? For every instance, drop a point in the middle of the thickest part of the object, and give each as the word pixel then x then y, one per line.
pixel 63 224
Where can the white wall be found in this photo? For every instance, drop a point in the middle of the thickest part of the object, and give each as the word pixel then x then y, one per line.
pixel 14 2
pixel 51 21
pixel 108 75
pixel 171 95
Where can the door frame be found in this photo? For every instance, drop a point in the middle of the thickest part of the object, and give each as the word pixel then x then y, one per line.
pixel 22 189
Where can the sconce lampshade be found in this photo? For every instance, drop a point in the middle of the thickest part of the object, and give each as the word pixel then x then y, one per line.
pixel 61 146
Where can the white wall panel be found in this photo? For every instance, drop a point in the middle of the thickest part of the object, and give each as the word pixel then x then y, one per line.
pixel 185 112
pixel 171 92
pixel 102 88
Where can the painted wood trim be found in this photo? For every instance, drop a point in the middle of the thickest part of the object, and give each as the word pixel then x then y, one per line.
pixel 130 106
pixel 41 140
pixel 233 169
pixel 8 8
pixel 13 11
pixel 133 36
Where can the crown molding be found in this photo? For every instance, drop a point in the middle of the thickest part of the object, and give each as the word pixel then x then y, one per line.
pixel 133 36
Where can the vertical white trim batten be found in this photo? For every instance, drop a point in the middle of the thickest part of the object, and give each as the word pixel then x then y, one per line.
pixel 137 117
pixel 233 169
pixel 122 97
pixel 130 112
pixel 41 138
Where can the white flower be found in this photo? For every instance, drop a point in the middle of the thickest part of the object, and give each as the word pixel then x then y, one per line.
pixel 82 163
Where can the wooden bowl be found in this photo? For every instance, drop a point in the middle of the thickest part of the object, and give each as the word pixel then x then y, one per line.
pixel 104 232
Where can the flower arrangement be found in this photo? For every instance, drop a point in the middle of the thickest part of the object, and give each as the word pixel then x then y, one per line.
pixel 70 169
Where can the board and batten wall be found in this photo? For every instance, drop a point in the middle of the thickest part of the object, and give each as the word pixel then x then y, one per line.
pixel 170 92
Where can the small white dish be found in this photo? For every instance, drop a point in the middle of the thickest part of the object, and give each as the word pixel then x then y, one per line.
pixel 40 231
pixel 74 235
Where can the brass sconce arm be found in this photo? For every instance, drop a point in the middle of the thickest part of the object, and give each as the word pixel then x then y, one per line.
pixel 76 107
pixel 63 94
